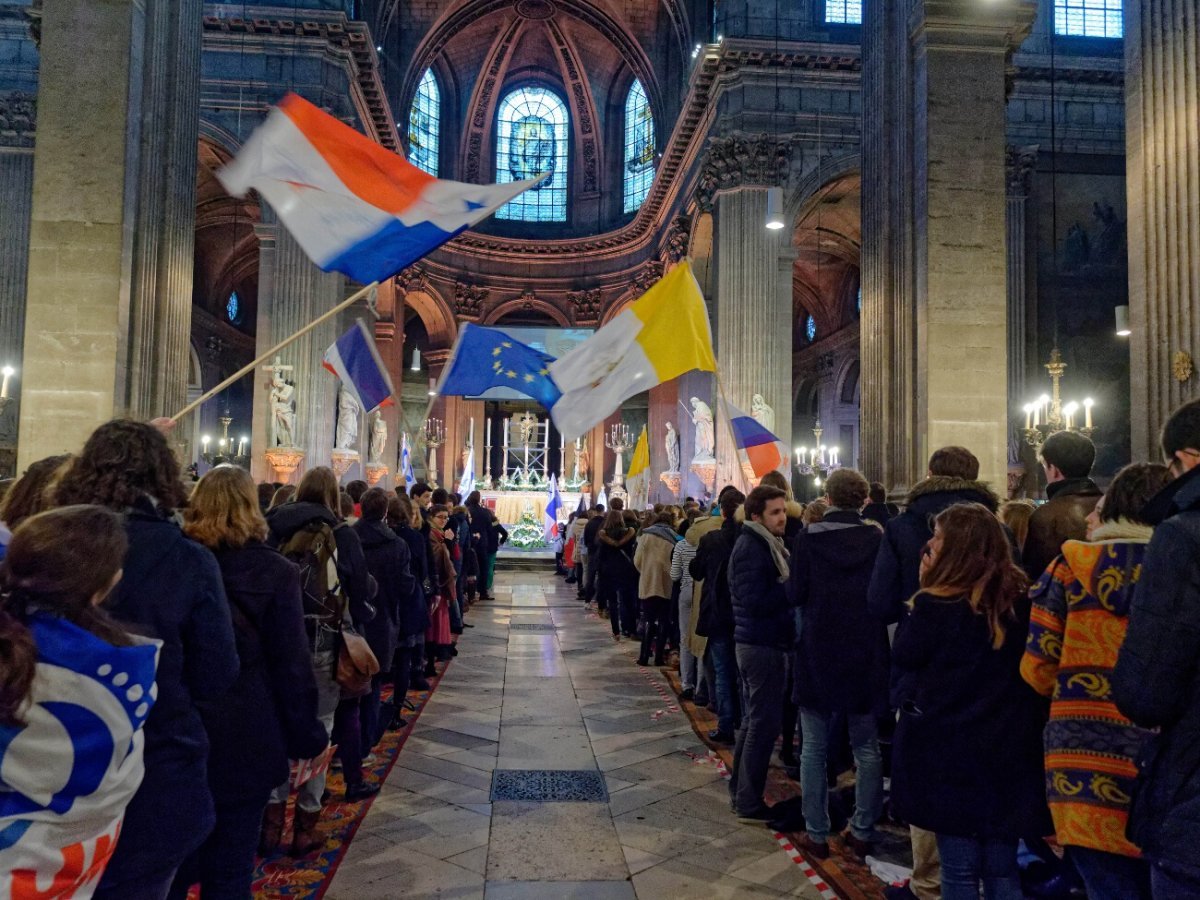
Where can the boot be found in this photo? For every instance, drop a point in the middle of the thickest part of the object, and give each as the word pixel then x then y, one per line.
pixel 271 835
pixel 305 839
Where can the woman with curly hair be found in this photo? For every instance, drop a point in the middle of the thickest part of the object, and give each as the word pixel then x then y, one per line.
pixel 171 591
pixel 967 755
pixel 30 494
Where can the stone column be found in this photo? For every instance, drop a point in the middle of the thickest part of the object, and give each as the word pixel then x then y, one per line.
pixel 935 304
pixel 753 317
pixel 1019 170
pixel 16 189
pixel 1162 41
pixel 260 435
pixel 111 223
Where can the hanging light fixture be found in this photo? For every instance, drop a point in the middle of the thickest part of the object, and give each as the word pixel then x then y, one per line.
pixel 1122 314
pixel 775 208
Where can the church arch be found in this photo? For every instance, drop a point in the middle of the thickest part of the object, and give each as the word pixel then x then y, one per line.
pixel 527 305
pixel 435 315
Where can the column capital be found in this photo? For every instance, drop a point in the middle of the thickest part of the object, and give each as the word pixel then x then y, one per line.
pixel 998 26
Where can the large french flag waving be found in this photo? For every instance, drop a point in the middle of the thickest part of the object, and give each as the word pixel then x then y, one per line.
pixel 354 206
pixel 354 359
pixel 758 449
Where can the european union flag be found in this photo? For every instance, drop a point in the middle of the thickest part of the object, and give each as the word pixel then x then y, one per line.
pixel 486 358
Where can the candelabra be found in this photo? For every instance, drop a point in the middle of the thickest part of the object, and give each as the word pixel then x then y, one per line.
pixel 618 440
pixel 1049 413
pixel 227 450
pixel 435 436
pixel 818 459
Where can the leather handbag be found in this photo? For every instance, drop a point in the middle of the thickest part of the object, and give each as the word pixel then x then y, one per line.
pixel 356 664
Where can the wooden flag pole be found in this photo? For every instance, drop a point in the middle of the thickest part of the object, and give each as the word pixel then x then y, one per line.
pixel 265 357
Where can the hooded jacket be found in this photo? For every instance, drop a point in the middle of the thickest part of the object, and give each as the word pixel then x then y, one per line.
pixel 388 561
pixel 1060 519
pixel 842 658
pixel 653 560
pixel 1156 682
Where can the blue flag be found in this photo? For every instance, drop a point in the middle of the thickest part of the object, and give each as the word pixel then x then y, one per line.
pixel 406 468
pixel 485 358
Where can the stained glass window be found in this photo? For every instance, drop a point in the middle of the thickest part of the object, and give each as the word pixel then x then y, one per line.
pixel 858 302
pixel 424 124
pixel 531 139
pixel 233 308
pixel 843 12
pixel 810 328
pixel 1088 18
pixel 639 147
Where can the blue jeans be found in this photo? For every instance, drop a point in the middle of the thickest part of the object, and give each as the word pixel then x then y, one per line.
pixel 968 861
pixel 1110 876
pixel 725 677
pixel 224 864
pixel 868 785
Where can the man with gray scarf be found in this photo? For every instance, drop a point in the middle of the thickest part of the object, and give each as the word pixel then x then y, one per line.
pixel 764 631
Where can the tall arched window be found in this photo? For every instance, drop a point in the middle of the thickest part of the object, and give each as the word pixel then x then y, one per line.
pixel 531 139
pixel 639 147
pixel 1088 18
pixel 424 124
pixel 810 329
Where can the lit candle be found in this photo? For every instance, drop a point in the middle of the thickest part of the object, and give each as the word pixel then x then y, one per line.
pixel 833 456
pixel 799 456
pixel 7 372
pixel 204 440
pixel 1087 413
pixel 812 456
pixel 1037 411
pixel 1028 415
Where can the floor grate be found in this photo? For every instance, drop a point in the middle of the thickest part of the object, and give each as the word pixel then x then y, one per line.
pixel 530 626
pixel 549 786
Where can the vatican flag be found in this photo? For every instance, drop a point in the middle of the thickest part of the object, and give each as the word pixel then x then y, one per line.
pixel 660 336
pixel 638 482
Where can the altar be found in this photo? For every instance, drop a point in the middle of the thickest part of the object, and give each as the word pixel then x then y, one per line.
pixel 508 505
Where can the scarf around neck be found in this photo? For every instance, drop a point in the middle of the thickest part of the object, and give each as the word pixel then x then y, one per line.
pixel 779 554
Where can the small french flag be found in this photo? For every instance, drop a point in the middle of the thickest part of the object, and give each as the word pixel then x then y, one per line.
pixel 354 359
pixel 758 449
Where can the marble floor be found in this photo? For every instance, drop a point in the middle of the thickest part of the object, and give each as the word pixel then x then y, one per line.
pixel 540 684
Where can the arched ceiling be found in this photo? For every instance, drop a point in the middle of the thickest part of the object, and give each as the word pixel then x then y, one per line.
pixel 828 243
pixel 226 253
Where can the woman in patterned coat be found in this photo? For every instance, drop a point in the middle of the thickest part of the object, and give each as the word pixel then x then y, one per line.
pixel 1080 615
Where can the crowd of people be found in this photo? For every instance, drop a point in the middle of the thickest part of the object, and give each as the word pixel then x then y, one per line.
pixel 1001 677
pixel 177 660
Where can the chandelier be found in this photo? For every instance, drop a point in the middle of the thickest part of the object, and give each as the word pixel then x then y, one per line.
pixel 818 459
pixel 1048 413
pixel 227 450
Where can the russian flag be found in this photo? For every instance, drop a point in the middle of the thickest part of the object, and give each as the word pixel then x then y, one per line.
pixel 759 451
pixel 354 359
pixel 354 206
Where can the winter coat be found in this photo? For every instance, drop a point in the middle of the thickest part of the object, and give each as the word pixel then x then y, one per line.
pixel 967 754
pixel 880 512
pixel 842 654
pixel 414 615
pixel 614 554
pixel 1060 519
pixel 896 576
pixel 709 569
pixel 653 560
pixel 172 591
pixel 1079 619
pixel 762 610
pixel 388 562
pixel 1156 682
pixel 443 579
pixel 284 521
pixel 270 714
pixel 591 533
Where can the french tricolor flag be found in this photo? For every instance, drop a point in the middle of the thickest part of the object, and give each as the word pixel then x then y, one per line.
pixel 354 206
pixel 354 359
pixel 759 451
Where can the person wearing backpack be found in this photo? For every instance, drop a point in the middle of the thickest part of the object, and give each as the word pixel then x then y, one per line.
pixel 335 586
pixel 270 713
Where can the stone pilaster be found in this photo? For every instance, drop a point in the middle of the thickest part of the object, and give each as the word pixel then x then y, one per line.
pixel 260 434
pixel 1162 41
pixel 16 193
pixel 939 230
pixel 1019 171
pixel 753 317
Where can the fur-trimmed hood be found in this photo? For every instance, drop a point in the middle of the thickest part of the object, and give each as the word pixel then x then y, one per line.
pixel 945 484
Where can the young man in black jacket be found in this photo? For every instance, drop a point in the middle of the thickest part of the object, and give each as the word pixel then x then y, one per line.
pixel 763 634
pixel 1156 682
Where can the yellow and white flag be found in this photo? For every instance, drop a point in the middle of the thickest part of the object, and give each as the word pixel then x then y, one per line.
pixel 660 336
pixel 638 483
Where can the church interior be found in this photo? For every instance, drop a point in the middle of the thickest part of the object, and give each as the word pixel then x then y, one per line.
pixel 914 223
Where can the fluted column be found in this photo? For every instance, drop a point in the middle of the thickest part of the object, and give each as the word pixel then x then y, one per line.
pixel 260 435
pixel 16 193
pixel 1019 171
pixel 1162 44
pixel 753 321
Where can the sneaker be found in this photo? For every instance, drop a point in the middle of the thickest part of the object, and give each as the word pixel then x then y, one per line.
pixel 812 847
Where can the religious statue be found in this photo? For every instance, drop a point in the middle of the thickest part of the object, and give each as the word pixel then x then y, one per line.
pixel 379 436
pixel 672 448
pixel 583 459
pixel 528 424
pixel 347 420
pixel 283 410
pixel 706 441
pixel 762 413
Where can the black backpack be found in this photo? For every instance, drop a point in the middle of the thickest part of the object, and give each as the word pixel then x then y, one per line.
pixel 314 549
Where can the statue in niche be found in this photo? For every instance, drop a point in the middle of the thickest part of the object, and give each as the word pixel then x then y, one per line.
pixel 762 413
pixel 283 409
pixel 347 421
pixel 672 442
pixel 583 459
pixel 1077 249
pixel 1110 245
pixel 706 441
pixel 379 436
pixel 528 425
